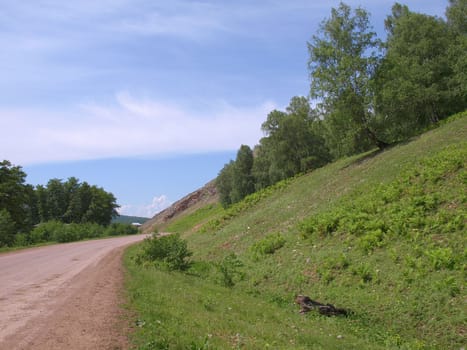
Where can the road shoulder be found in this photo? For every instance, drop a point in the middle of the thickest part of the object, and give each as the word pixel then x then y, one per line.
pixel 88 316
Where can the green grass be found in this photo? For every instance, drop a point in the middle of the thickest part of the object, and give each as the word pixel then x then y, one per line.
pixel 381 234
pixel 182 311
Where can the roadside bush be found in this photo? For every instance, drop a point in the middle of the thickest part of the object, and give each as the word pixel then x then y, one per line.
pixel 118 229
pixel 22 240
pixel 55 231
pixel 76 232
pixel 67 233
pixel 45 232
pixel 169 251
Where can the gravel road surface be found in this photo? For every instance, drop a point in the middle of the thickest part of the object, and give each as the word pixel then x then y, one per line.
pixel 65 296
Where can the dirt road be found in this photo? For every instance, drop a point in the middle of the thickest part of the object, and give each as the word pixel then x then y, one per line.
pixel 64 296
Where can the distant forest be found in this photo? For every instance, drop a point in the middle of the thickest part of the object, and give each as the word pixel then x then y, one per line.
pixel 365 93
pixel 66 210
pixel 125 219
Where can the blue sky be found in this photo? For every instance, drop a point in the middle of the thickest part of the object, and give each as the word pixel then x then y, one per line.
pixel 149 99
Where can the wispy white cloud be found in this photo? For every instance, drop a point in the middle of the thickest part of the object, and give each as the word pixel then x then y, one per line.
pixel 158 203
pixel 195 25
pixel 127 127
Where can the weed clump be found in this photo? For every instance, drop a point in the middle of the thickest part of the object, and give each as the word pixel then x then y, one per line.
pixel 267 245
pixel 230 270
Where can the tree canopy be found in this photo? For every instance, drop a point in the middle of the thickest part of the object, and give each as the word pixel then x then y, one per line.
pixel 364 93
pixel 22 206
pixel 75 202
pixel 343 58
pixel 417 83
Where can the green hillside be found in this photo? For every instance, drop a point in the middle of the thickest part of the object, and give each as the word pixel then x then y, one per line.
pixel 380 234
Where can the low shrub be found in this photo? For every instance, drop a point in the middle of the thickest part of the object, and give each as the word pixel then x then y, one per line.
pixel 267 245
pixel 119 229
pixel 230 269
pixel 21 240
pixel 441 258
pixel 170 252
pixel 45 232
pixel 55 231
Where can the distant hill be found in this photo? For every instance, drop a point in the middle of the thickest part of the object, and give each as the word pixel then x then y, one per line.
pixel 124 219
pixel 185 206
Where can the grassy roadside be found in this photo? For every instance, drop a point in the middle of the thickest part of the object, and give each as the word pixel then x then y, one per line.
pixel 395 256
pixel 178 311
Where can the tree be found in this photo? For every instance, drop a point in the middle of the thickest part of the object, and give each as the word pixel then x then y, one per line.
pixel 102 207
pixel 292 144
pixel 456 14
pixel 235 180
pixel 14 195
pixel 263 171
pixel 75 202
pixel 41 197
pixel 7 229
pixel 56 200
pixel 224 184
pixel 417 83
pixel 242 180
pixel 343 59
pixel 32 209
pixel 74 210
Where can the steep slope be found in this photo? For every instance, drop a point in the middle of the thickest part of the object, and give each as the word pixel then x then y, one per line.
pixel 185 206
pixel 380 234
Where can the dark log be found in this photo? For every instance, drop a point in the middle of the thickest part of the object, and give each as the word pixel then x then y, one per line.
pixel 307 304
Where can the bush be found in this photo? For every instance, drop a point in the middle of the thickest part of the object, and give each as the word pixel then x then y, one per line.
pixel 45 232
pixel 55 231
pixel 169 251
pixel 229 268
pixel 267 245
pixel 21 240
pixel 67 233
pixel 441 258
pixel 118 229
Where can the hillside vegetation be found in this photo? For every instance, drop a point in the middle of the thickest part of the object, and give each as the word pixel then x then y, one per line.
pixel 365 93
pixel 380 234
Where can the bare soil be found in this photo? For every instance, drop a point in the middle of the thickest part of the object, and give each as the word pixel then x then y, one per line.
pixel 75 304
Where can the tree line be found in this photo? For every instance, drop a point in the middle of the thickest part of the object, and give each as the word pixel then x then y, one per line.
pixel 365 93
pixel 23 206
